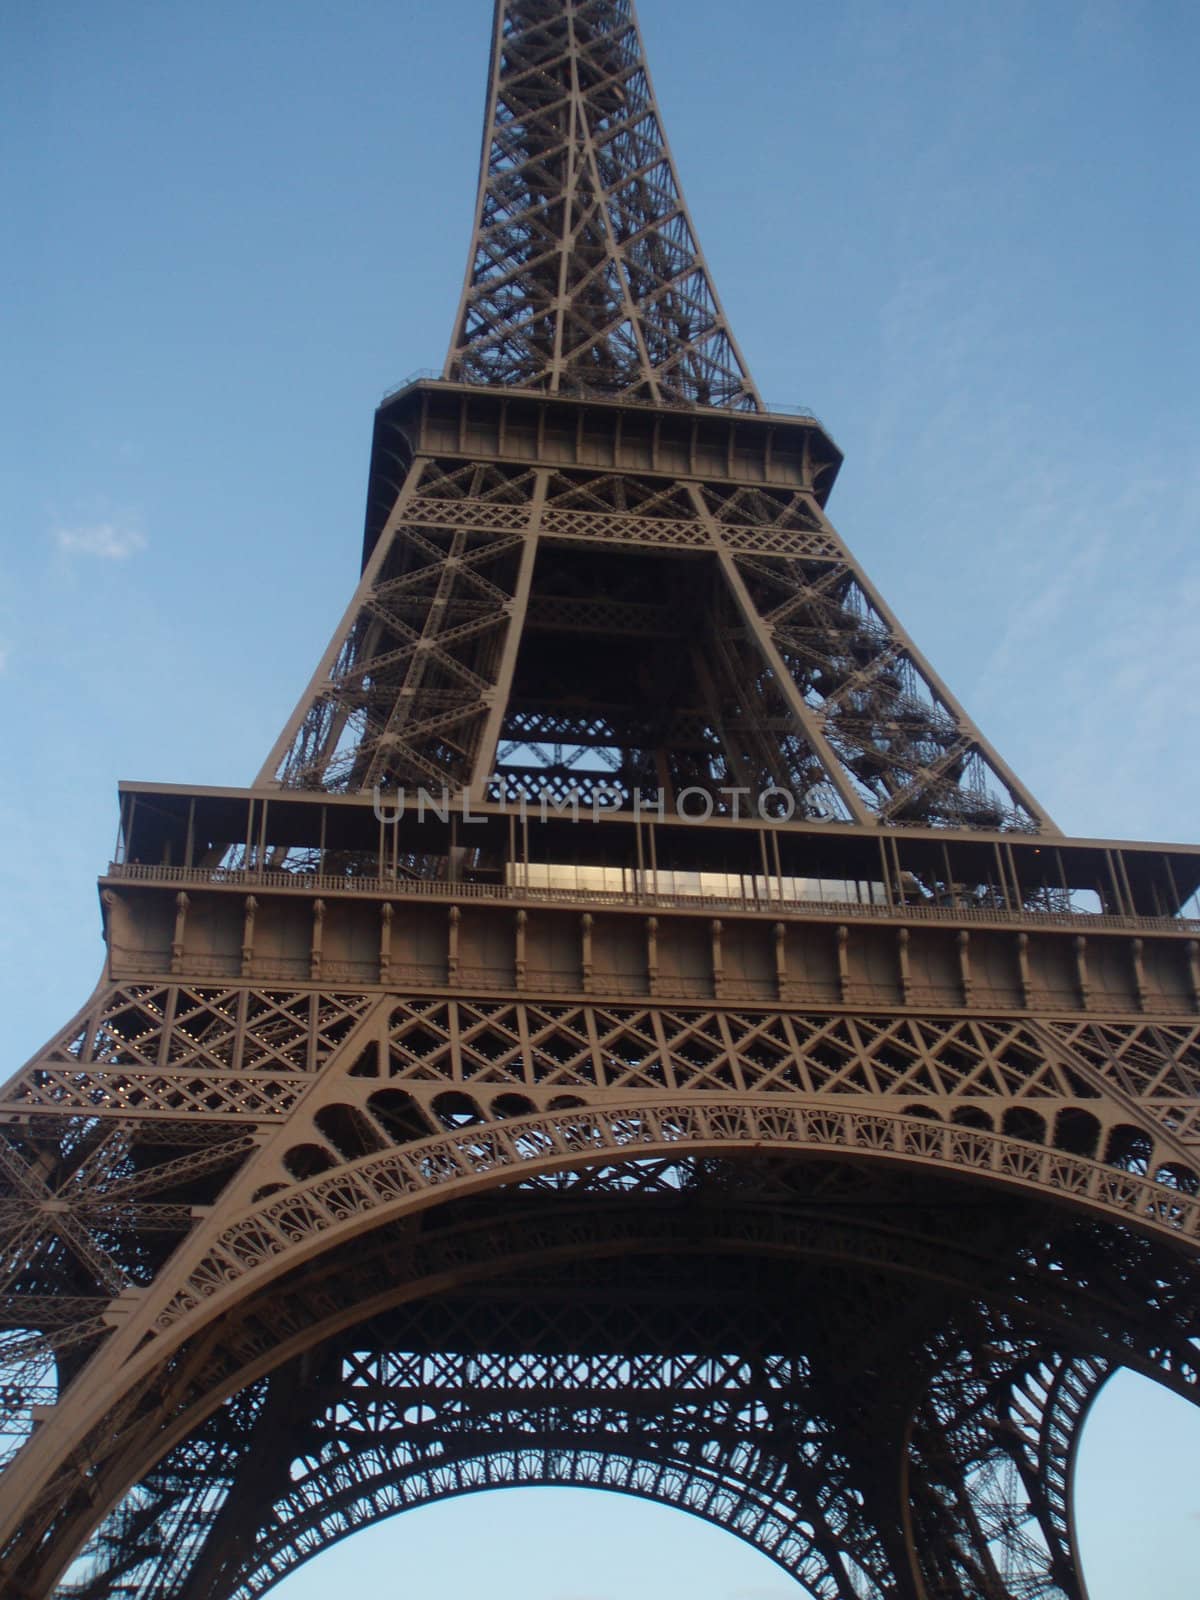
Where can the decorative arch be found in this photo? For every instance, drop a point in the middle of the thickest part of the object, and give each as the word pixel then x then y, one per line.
pixel 328 1210
pixel 571 1231
pixel 738 1488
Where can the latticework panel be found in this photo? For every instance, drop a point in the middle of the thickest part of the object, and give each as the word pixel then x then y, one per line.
pixel 279 1257
pixel 404 692
pixel 584 271
pixel 910 751
pixel 501 631
pixel 788 1429
pixel 131 1123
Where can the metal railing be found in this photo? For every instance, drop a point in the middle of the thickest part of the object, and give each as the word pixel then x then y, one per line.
pixel 579 391
pixel 315 883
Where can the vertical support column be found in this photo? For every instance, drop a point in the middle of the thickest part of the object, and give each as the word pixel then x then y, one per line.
pixel 314 1025
pixel 1118 893
pixel 1014 877
pixel 1122 868
pixel 1023 970
pixel 1137 953
pixel 585 951
pixel 181 910
pixel 964 964
pixel 843 962
pixel 110 903
pixel 766 864
pixel 781 961
pixel 1193 957
pixel 718 962
pixel 386 913
pixel 886 876
pixel 125 852
pixel 316 950
pixel 652 953
pixel 455 1031
pixel 251 911
pixel 774 836
pixel 902 961
pixel 1003 883
pixel 452 964
pixel 519 966
pixel 239 1038
pixel 1081 971
pixel 951 892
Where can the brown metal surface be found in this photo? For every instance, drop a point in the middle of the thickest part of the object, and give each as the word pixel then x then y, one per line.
pixel 501 641
pixel 584 273
pixel 584 1119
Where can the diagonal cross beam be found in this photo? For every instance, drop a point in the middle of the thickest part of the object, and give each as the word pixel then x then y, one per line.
pixel 584 273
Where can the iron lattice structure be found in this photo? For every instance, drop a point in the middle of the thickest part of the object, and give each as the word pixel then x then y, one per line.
pixel 586 1119
pixel 584 273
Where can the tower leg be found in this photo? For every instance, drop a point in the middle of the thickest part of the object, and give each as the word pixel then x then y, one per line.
pixel 988 1472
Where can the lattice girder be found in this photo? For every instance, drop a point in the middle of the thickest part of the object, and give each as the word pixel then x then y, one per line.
pixel 584 273
pixel 496 595
pixel 709 1114
pixel 813 1180
pixel 771 1506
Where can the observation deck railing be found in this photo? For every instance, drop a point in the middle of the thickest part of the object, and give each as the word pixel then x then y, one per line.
pixel 253 878
pixel 580 391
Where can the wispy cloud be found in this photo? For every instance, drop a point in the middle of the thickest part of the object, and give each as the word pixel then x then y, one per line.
pixel 106 541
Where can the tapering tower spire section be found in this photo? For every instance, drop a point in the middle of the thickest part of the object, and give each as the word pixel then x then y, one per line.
pixel 584 275
pixel 502 643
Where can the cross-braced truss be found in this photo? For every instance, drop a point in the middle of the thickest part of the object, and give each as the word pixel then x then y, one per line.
pixel 185 1163
pixel 584 272
pixel 503 642
pixel 847 1403
pixel 811 1180
pixel 738 1440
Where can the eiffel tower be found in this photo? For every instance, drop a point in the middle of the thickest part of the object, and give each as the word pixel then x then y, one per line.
pixel 634 1032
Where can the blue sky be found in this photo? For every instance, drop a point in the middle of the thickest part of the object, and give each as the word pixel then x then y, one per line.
pixel 965 235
